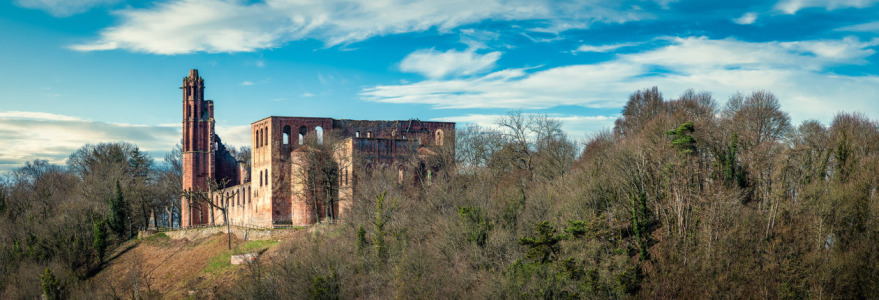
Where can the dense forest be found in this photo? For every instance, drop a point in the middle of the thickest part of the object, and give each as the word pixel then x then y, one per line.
pixel 683 198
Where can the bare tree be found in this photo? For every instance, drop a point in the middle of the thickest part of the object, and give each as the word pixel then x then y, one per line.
pixel 323 165
pixel 206 197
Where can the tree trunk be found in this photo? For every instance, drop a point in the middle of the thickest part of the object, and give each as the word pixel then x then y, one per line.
pixel 228 229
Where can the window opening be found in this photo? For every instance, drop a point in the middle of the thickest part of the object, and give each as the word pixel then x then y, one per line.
pixel 400 175
pixel 439 137
pixel 302 131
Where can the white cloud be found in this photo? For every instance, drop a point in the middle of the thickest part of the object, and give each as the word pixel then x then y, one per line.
pixel 745 19
pixel 604 48
pixel 701 53
pixel 246 83
pixel 866 27
pixel 307 95
pixel 477 39
pixel 792 6
pixel 30 115
pixel 63 8
pixel 435 64
pixel 37 135
pixel 184 26
pixel 233 136
pixel 797 72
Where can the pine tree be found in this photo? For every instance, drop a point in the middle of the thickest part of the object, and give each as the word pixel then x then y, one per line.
pixel 100 238
pixel 51 285
pixel 116 219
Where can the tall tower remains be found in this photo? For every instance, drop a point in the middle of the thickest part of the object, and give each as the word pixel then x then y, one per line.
pixel 198 150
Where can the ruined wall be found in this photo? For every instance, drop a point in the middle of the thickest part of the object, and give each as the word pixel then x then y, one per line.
pixel 261 169
pixel 424 133
pixel 274 189
pixel 239 205
pixel 225 165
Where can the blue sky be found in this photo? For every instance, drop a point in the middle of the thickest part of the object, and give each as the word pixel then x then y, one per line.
pixel 80 71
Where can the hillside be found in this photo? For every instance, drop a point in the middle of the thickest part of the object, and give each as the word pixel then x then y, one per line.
pixel 158 266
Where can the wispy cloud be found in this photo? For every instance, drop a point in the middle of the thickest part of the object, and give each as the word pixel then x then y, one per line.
pixel 477 39
pixel 745 19
pixel 796 71
pixel 38 135
pixel 184 26
pixel 604 48
pixel 792 6
pixel 865 27
pixel 246 83
pixel 31 115
pixel 63 8
pixel 435 64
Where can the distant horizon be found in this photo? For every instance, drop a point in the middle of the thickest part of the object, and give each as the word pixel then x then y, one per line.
pixel 109 70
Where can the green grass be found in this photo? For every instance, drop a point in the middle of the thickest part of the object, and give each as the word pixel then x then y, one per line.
pixel 222 262
pixel 158 239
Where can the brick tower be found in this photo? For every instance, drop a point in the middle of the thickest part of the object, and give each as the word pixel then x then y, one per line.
pixel 198 150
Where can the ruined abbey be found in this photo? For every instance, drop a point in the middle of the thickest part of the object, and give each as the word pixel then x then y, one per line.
pixel 302 170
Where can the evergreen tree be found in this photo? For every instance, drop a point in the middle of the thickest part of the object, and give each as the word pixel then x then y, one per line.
pixel 51 285
pixel 100 238
pixel 544 247
pixel 116 219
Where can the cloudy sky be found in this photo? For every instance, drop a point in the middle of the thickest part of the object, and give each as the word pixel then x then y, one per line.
pixel 80 71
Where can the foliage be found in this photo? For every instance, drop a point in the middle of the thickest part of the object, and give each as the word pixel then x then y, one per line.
pixel 682 138
pixel 544 247
pixel 477 223
pixel 51 285
pixel 326 287
pixel 100 238
pixel 116 218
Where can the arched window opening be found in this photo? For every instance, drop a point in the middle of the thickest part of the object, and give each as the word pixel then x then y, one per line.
pixel 256 139
pixel 320 135
pixel 267 177
pixel 302 131
pixel 400 175
pixel 357 134
pixel 260 178
pixel 439 137
pixel 265 137
pixel 369 134
pixel 287 133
